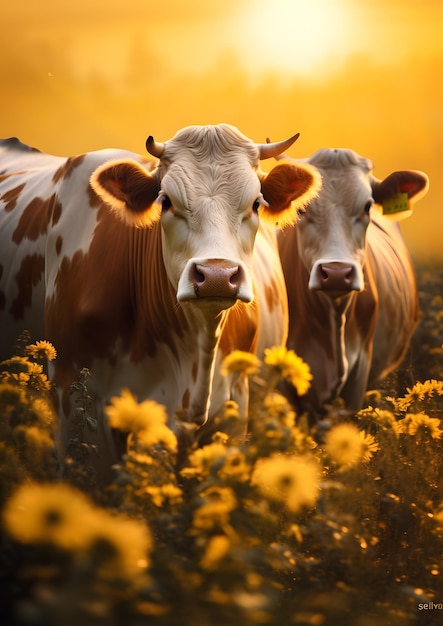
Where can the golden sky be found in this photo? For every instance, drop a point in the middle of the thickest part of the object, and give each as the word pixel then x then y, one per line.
pixel 81 75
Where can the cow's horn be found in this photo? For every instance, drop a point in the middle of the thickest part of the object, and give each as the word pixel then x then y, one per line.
pixel 154 148
pixel 269 150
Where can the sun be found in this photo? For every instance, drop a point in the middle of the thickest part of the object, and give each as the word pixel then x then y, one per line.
pixel 297 36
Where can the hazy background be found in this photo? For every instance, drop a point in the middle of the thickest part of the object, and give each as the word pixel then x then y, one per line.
pixel 81 75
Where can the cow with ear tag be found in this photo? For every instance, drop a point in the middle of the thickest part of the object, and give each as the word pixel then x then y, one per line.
pixel 351 284
pixel 147 273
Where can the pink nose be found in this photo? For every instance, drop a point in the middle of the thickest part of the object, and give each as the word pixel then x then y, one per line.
pixel 336 276
pixel 216 278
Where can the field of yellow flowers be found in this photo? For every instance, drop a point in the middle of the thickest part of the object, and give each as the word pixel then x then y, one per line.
pixel 339 527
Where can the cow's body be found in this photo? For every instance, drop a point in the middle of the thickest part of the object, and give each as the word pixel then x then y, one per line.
pixel 148 295
pixel 350 280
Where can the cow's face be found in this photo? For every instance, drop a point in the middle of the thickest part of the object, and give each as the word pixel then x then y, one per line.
pixel 208 231
pixel 208 194
pixel 332 230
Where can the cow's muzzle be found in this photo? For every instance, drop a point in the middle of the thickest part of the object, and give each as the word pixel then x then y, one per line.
pixel 214 280
pixel 335 278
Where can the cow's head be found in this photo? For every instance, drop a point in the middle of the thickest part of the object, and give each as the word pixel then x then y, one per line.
pixel 332 231
pixel 208 194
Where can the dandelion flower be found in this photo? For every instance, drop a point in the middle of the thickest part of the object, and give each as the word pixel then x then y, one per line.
pixel 385 419
pixel 240 362
pixel 291 480
pixel 11 397
pixel 235 467
pixel 420 423
pixel 418 393
pixel 217 548
pixel 146 420
pixel 62 516
pixel 16 365
pixel 126 414
pixel 37 378
pixel 345 445
pixel 121 545
pixel 41 350
pixel 277 406
pixel 43 410
pixel 165 493
pixel 202 460
pixel 231 410
pixel 158 434
pixel 290 366
pixel 49 513
pixel 369 445
pixel 217 505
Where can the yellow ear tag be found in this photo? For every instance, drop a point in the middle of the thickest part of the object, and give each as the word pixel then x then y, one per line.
pixel 397 204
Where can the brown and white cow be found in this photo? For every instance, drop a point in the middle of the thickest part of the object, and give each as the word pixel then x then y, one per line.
pixel 351 284
pixel 147 275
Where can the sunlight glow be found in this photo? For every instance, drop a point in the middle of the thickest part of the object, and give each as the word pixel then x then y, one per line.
pixel 297 35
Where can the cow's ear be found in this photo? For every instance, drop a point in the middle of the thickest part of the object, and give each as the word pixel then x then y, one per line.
pixel 397 193
pixel 129 190
pixel 287 188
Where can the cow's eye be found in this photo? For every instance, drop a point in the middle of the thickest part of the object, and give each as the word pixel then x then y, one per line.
pixel 368 206
pixel 256 205
pixel 166 203
pixel 301 212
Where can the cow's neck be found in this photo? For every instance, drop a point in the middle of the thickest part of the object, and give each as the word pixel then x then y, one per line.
pixel 157 317
pixel 339 317
pixel 190 333
pixel 207 329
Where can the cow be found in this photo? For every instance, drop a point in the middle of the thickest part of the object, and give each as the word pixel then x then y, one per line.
pixel 147 273
pixel 351 285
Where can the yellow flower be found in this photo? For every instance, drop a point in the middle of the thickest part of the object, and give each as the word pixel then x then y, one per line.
pixel 11 397
pixel 37 378
pixel 41 350
pixel 220 437
pixel 43 410
pixel 291 480
pixel 16 365
pixel 121 545
pixel 240 362
pixel 158 434
pixel 369 445
pixel 146 420
pixel 60 515
pixel 49 513
pixel 217 548
pixel 418 393
pixel 345 445
pixel 384 419
pixel 126 414
pixel 165 493
pixel 290 366
pixel 421 423
pixel 235 466
pixel 202 460
pixel 231 411
pixel 218 503
pixel 23 371
pixel 277 406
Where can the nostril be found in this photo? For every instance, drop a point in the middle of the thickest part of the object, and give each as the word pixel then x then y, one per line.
pixel 236 277
pixel 349 275
pixel 197 275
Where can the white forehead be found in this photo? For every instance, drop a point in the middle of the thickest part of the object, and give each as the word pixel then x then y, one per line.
pixel 210 161
pixel 345 176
